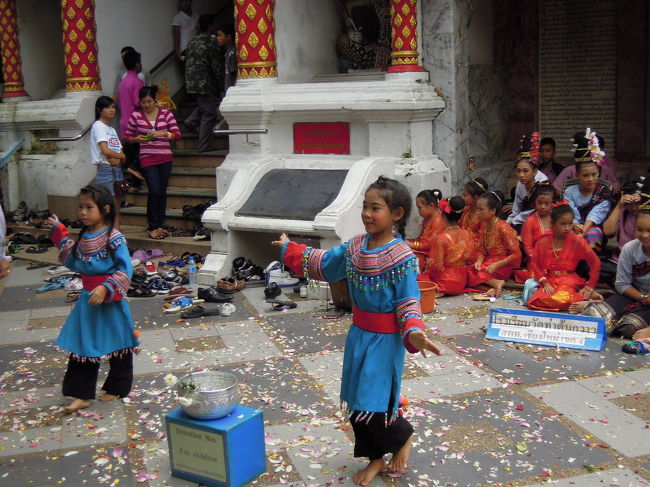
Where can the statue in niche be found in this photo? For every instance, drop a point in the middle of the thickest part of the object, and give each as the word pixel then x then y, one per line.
pixel 366 42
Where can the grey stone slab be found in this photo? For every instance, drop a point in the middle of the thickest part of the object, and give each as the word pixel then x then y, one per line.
pixel 473 441
pixel 544 363
pixel 51 312
pixel 68 467
pixel 321 454
pixel 156 462
pixel 611 386
pixel 256 298
pixel 615 477
pixel 612 424
pixel 17 298
pixel 308 332
pixel 22 277
pixel 107 418
pixel 31 365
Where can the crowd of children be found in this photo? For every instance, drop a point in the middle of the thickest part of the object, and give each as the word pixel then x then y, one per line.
pixel 552 238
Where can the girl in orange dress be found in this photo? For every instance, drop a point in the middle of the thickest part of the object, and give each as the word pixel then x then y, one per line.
pixel 452 252
pixel 471 192
pixel 554 262
pixel 498 247
pixel 432 224
pixel 538 223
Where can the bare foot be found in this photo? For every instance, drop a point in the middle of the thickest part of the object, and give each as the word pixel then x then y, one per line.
pixel 401 458
pixel 365 476
pixel 642 334
pixel 578 307
pixel 76 405
pixel 439 295
pixel 498 287
pixel 108 397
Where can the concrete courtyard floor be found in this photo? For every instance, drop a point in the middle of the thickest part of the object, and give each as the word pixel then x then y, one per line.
pixel 485 412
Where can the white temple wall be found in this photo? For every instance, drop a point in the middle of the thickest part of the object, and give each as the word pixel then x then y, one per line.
pixel 41 48
pixel 305 34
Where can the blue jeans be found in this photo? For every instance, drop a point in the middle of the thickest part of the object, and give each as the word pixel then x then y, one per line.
pixel 157 178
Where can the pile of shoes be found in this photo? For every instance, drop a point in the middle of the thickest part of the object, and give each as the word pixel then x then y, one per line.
pixel 245 270
pixel 195 212
pixel 271 292
pixel 276 273
pixel 150 280
pixel 62 278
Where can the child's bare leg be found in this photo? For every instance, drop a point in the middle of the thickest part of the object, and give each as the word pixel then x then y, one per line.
pixel 496 286
pixel 401 458
pixel 137 174
pixel 76 405
pixel 642 334
pixel 365 476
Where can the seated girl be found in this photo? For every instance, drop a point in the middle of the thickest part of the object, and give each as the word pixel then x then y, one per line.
pixel 554 262
pixel 621 222
pixel 452 252
pixel 528 175
pixel 498 247
pixel 471 192
pixel 589 198
pixel 627 312
pixel 432 224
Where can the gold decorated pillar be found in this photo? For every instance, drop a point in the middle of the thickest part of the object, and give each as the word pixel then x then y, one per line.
pixel 404 23
pixel 10 48
pixel 255 39
pixel 80 46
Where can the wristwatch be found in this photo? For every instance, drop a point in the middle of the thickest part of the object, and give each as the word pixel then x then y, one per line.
pixel 643 297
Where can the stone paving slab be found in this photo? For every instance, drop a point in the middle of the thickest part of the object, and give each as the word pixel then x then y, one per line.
pixel 532 363
pixel 308 333
pixel 589 410
pixel 621 477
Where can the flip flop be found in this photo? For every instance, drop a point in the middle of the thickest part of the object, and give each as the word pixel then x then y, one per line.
pixel 37 265
pixel 639 347
pixel 72 297
pixel 281 305
pixel 481 297
pixel 50 286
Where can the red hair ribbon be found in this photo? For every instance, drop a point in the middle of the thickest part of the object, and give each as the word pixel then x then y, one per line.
pixel 559 203
pixel 443 206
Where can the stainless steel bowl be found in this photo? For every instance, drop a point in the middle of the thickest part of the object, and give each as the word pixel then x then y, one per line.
pixel 213 394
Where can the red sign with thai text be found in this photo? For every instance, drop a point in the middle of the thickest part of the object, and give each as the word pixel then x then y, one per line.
pixel 321 138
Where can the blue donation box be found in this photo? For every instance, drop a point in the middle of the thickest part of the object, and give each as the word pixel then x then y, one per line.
pixel 550 329
pixel 224 452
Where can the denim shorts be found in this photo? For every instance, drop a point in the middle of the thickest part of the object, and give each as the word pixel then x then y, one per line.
pixel 107 175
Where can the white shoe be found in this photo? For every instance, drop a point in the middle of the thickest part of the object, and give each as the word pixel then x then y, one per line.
pixel 226 309
pixel 57 270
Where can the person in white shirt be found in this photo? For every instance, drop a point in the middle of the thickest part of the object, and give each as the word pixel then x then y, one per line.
pixel 184 27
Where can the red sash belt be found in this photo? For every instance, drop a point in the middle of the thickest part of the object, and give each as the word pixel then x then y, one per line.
pixel 375 322
pixel 91 282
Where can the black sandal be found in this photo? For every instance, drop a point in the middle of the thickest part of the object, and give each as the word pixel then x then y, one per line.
pixel 281 305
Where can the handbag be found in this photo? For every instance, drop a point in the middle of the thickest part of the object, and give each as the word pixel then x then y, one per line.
pixel 120 186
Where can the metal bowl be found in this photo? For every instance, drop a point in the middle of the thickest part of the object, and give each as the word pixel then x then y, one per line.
pixel 213 394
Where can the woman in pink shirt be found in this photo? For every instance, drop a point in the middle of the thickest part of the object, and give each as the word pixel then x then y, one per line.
pixel 154 128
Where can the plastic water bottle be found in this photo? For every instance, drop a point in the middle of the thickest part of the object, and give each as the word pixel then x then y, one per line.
pixel 192 273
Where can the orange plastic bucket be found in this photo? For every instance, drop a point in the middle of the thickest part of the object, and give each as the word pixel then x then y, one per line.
pixel 428 292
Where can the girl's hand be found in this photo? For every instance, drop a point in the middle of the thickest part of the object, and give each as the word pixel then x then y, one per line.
pixel 586 292
pixel 492 268
pixel 578 228
pixel 629 198
pixel 280 243
pixel 477 265
pixel 158 133
pixel 98 295
pixel 114 162
pixel 548 289
pixel 52 219
pixel 420 341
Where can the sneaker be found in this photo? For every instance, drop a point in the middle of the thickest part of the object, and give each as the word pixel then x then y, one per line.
pixel 150 268
pixel 73 285
pixel 57 270
pixel 212 295
pixel 135 263
pixel 226 309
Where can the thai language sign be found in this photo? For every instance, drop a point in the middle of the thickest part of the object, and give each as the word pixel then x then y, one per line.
pixel 551 329
pixel 321 138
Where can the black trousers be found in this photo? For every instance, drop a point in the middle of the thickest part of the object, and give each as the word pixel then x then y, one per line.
pixel 157 178
pixel 80 380
pixel 373 439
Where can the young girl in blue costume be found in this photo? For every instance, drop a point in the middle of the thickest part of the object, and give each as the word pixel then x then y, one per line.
pixel 381 271
pixel 100 324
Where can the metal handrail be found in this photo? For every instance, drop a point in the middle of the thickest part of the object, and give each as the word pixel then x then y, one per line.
pixel 240 131
pixel 67 139
pixel 162 61
pixel 13 148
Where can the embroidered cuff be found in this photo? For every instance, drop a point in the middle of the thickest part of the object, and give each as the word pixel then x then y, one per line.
pixel 412 324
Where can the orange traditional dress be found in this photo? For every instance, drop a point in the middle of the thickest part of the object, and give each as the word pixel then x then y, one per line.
pixel 498 244
pixel 421 245
pixel 558 267
pixel 531 231
pixel 469 221
pixel 450 257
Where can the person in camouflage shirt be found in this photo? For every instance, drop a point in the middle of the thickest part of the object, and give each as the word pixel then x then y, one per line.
pixel 203 80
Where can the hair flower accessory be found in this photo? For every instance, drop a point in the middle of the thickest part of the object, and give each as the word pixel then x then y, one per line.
pixel 595 153
pixel 444 206
pixel 559 203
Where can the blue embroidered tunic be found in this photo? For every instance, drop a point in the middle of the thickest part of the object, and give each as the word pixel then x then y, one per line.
pixel 382 280
pixel 92 332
